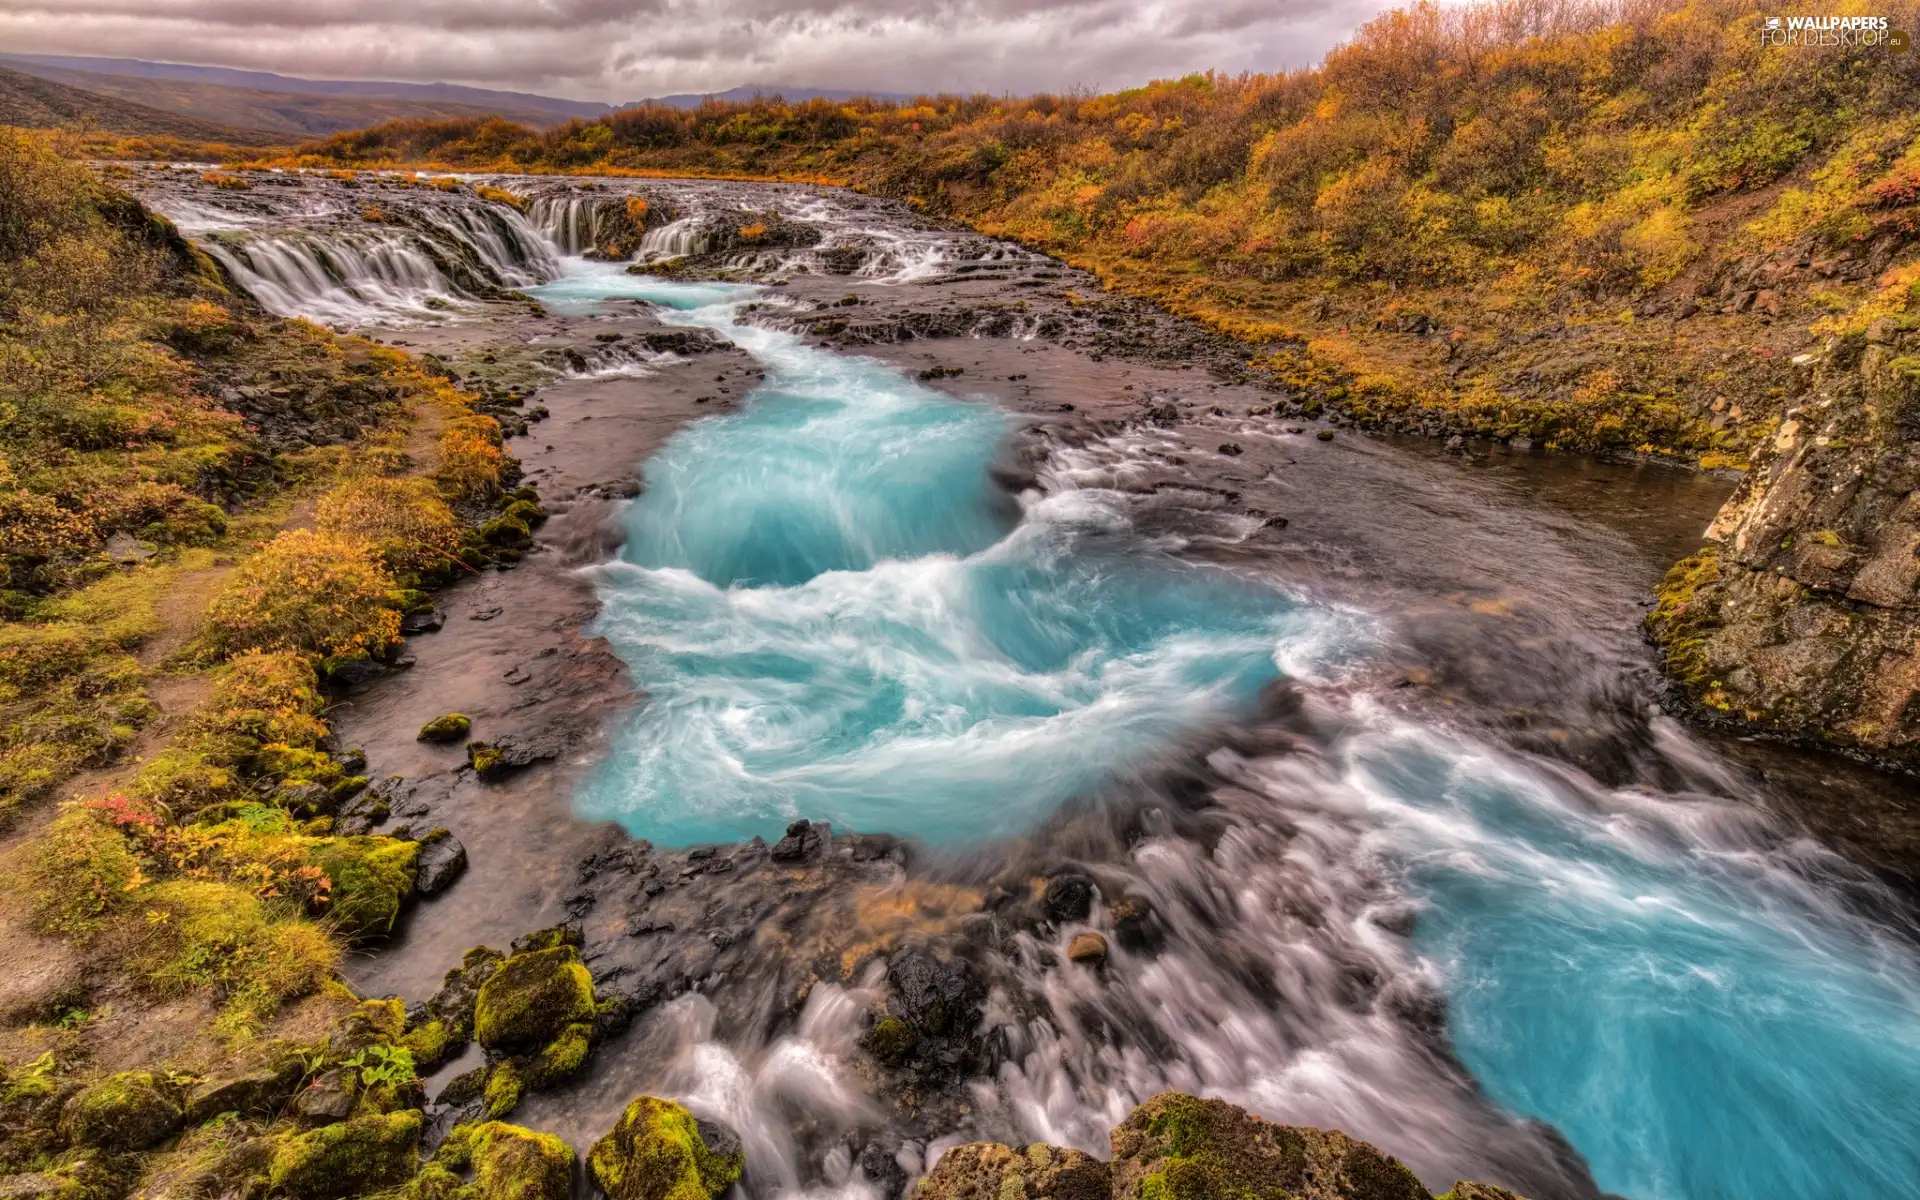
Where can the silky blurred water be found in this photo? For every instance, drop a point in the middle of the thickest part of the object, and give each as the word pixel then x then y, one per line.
pixel 835 614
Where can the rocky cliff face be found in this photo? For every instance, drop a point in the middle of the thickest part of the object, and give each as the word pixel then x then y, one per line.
pixel 1803 615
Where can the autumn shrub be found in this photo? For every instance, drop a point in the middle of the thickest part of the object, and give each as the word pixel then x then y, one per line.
pixel 472 461
pixel 410 526
pixel 308 592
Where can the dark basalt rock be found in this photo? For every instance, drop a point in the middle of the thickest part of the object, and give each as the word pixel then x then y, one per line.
pixel 442 860
pixel 513 751
pixel 803 842
pixel 1068 898
pixel 939 998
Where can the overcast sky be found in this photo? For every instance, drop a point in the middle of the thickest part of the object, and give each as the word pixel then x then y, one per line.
pixel 619 50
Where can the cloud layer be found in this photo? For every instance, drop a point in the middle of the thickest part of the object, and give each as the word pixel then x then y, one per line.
pixel 620 50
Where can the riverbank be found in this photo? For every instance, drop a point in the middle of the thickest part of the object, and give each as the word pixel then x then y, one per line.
pixel 1341 903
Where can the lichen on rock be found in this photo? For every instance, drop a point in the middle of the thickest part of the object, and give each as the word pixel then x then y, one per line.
pixel 130 1111
pixel 660 1151
pixel 350 1158
pixel 988 1171
pixel 509 1162
pixel 449 728
pixel 532 998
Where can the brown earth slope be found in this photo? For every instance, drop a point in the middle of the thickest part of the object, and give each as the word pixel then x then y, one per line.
pixel 43 104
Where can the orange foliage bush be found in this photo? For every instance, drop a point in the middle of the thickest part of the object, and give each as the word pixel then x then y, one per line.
pixel 472 461
pixel 307 592
pixel 409 525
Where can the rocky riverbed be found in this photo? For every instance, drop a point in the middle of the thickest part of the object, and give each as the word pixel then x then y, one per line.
pixel 1344 902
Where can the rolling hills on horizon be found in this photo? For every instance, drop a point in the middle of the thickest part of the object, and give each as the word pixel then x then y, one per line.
pixel 37 103
pixel 294 108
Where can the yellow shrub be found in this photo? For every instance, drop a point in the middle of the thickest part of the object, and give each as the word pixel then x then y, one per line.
pixel 471 458
pixel 1662 243
pixel 409 525
pixel 307 592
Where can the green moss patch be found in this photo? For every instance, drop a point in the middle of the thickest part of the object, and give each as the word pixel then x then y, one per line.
pixel 658 1151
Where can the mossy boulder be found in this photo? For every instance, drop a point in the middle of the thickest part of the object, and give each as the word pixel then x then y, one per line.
pixel 561 1057
pixel 371 879
pixel 1179 1147
pixel 890 1040
pixel 505 1085
pixel 531 999
pixel 986 1171
pixel 660 1151
pixel 511 1163
pixel 506 532
pixel 450 728
pixel 121 1113
pixel 352 1158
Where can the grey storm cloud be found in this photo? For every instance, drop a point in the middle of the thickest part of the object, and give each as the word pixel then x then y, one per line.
pixel 618 50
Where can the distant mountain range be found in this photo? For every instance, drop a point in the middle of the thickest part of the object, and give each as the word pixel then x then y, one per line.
pixel 793 95
pixel 45 104
pixel 127 95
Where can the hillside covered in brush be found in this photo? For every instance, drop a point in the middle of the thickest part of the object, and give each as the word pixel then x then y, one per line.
pixel 1606 226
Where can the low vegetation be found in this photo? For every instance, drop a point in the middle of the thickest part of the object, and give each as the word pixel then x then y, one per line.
pixel 146 474
pixel 1601 224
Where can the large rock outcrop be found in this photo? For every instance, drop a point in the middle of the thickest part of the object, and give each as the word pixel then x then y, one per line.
pixel 1179 1147
pixel 1803 615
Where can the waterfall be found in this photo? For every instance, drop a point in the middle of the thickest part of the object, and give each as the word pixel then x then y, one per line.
pixel 677 239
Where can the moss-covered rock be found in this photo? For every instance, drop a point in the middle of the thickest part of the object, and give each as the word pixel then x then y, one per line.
pixel 511 1163
pixel 1478 1191
pixel 224 1158
pixel 371 879
pixel 121 1113
pixel 450 728
pixel 1178 1147
pixel 659 1151
pixel 986 1171
pixel 561 1057
pixel 531 999
pixel 351 1158
pixel 505 1085
pixel 890 1040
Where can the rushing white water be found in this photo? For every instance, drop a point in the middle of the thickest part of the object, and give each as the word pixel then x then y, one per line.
pixel 835 615
pixel 829 621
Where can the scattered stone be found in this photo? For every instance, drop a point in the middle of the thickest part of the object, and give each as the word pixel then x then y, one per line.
pixel 1087 949
pixel 451 728
pixel 803 841
pixel 442 860
pixel 1068 898
pixel 491 760
pixel 1325 435
pixel 485 614
pixel 939 998
pixel 261 1092
pixel 327 1099
pixel 429 621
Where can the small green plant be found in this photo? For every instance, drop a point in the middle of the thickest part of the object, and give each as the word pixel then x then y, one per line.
pixel 381 1066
